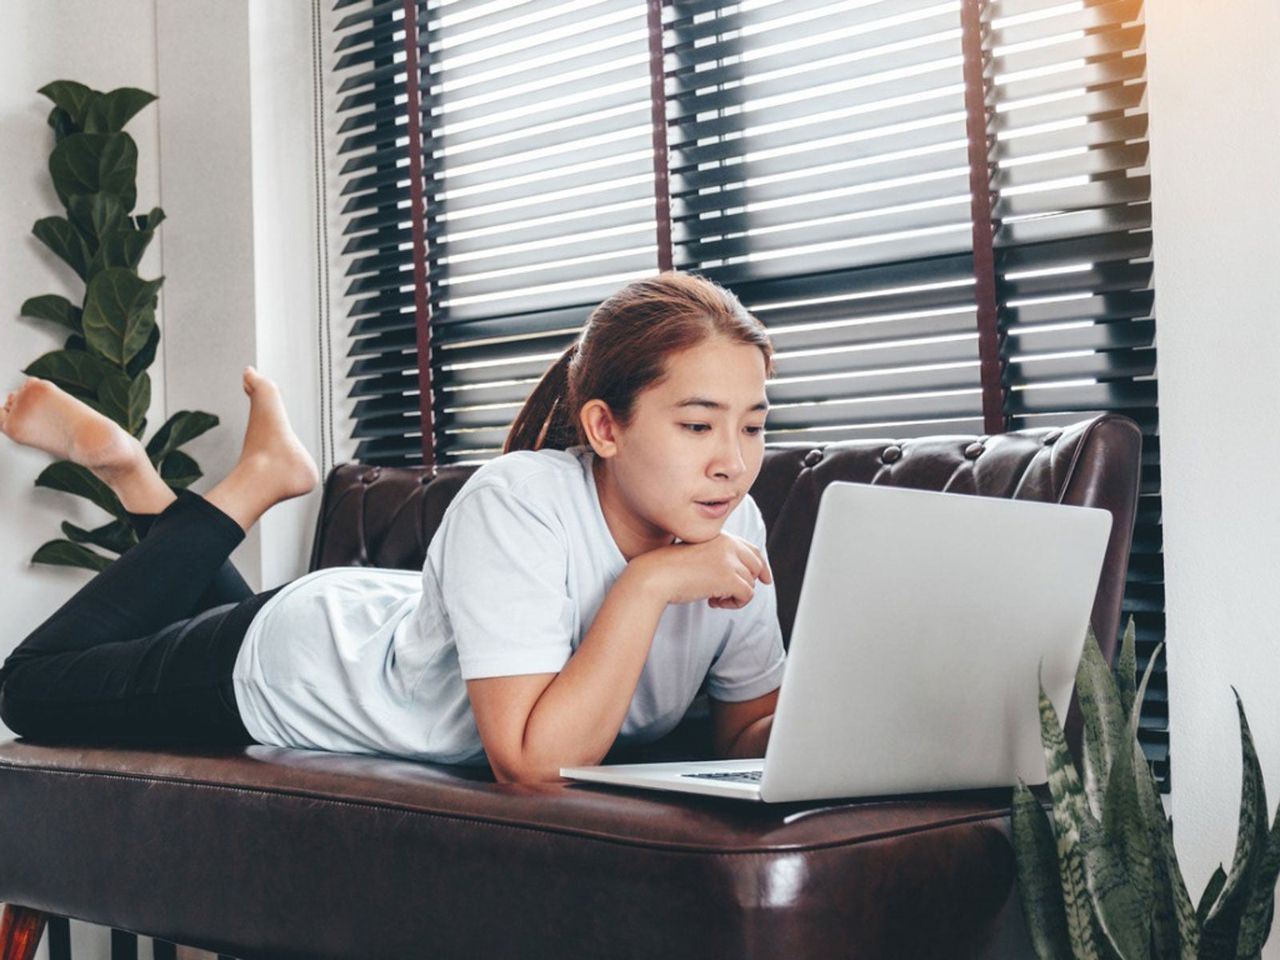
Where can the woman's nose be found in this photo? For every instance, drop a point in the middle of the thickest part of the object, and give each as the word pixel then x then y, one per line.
pixel 731 463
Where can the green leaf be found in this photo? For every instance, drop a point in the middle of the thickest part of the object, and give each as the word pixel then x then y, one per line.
pixel 70 96
pixel 1125 826
pixel 1104 721
pixel 1071 816
pixel 75 371
pixel 183 426
pixel 1070 809
pixel 55 309
pixel 116 536
pixel 1221 933
pixel 63 239
pixel 64 553
pixel 119 313
pixel 1038 881
pixel 1211 891
pixel 144 357
pixel 72 478
pixel 62 123
pixel 1165 938
pixel 1175 931
pixel 1086 941
pixel 179 470
pixel 149 221
pixel 123 248
pixel 96 163
pixel 1126 669
pixel 109 112
pixel 126 401
pixel 1256 924
pixel 1115 904
pixel 96 215
pixel 1188 928
pixel 1263 929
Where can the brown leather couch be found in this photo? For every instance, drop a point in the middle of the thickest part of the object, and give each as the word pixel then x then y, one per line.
pixel 274 853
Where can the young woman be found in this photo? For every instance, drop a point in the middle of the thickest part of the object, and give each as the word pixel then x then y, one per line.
pixel 579 590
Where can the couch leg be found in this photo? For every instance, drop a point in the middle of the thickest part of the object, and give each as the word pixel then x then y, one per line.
pixel 20 932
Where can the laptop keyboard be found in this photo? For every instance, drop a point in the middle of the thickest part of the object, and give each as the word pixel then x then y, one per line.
pixel 748 776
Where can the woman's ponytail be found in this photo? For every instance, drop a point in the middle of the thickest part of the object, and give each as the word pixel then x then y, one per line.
pixel 546 419
pixel 622 350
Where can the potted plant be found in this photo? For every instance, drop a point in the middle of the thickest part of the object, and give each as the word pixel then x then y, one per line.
pixel 112 334
pixel 1099 878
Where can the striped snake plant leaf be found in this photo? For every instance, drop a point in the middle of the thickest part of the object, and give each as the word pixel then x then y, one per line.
pixel 1220 935
pixel 1166 939
pixel 1116 905
pixel 1126 668
pixel 1104 722
pixel 1211 891
pixel 1070 809
pixel 1038 882
pixel 1125 827
pixel 1256 925
pixel 1264 930
pixel 1184 913
pixel 1087 941
pixel 1072 821
pixel 1175 929
pixel 1123 917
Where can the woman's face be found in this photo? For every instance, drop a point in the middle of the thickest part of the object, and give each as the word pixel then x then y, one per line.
pixel 696 436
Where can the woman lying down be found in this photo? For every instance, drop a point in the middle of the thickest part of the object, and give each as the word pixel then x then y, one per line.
pixel 579 590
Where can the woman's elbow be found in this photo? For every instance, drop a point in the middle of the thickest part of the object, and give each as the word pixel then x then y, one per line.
pixel 525 773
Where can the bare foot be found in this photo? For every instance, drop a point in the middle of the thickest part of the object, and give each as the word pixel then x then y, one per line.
pixel 270 445
pixel 42 415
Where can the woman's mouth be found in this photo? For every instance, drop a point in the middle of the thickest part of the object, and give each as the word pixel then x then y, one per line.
pixel 713 508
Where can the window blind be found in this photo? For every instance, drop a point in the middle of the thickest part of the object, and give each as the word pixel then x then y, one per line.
pixel 538 192
pixel 1073 257
pixel 818 157
pixel 820 168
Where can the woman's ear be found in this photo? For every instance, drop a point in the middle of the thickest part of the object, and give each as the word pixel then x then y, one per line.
pixel 600 427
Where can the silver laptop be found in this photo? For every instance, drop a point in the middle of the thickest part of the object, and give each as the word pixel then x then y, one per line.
pixel 922 621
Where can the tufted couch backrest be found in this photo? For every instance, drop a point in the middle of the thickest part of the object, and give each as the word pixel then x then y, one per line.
pixel 386 516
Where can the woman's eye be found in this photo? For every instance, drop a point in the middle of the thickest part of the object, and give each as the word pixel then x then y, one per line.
pixel 703 427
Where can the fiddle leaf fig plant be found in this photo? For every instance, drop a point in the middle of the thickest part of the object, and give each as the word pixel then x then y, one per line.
pixel 112 334
pixel 1098 877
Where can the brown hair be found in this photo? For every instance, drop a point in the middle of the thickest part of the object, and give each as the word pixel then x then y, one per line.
pixel 623 349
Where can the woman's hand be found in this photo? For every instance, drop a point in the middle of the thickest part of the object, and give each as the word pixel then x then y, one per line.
pixel 722 570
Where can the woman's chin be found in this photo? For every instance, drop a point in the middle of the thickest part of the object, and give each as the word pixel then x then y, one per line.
pixel 701 533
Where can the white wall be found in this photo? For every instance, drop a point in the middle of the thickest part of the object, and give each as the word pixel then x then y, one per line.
pixel 227 151
pixel 237 174
pixel 1215 135
pixel 227 138
pixel 42 41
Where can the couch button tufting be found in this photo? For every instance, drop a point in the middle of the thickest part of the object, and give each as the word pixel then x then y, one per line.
pixel 813 458
pixel 973 451
pixel 891 454
pixel 1052 437
pixel 370 475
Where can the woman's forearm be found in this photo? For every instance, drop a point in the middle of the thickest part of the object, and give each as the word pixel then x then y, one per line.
pixel 578 716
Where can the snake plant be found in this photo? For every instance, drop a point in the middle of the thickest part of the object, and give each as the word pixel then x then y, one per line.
pixel 1099 877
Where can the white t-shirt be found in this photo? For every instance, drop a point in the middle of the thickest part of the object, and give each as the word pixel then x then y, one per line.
pixel 369 660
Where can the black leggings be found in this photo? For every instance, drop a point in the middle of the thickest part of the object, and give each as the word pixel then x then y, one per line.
pixel 143 653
